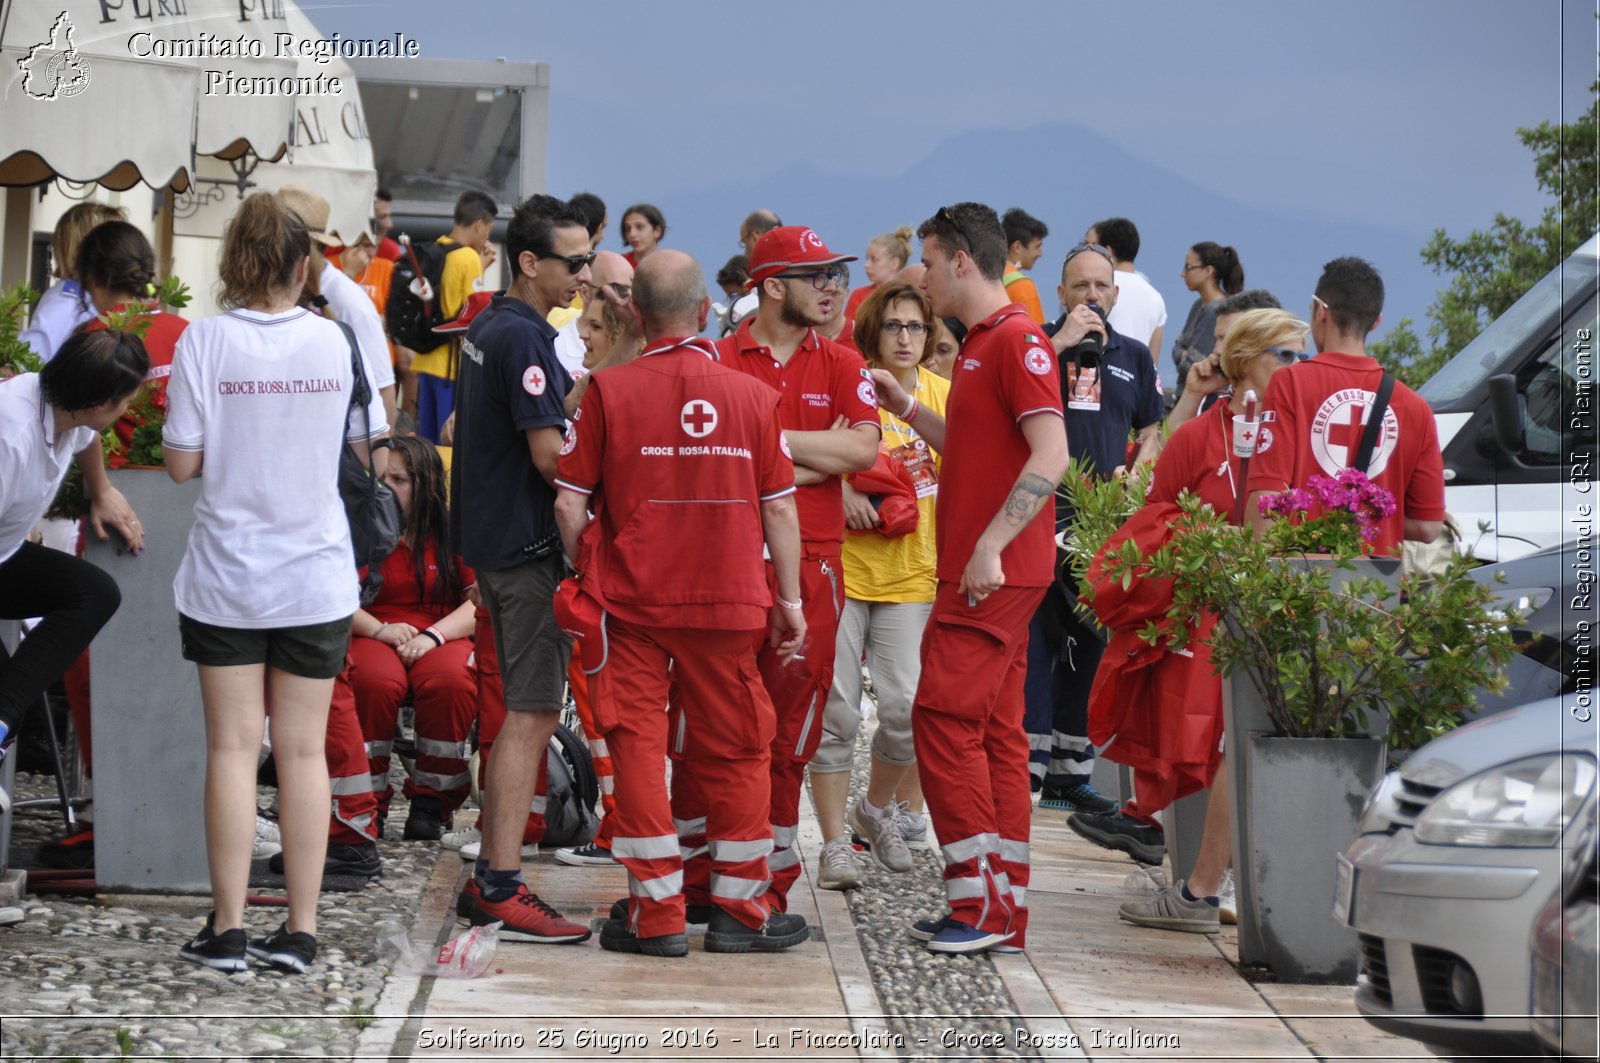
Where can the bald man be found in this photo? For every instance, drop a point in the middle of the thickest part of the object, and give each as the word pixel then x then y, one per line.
pixel 689 457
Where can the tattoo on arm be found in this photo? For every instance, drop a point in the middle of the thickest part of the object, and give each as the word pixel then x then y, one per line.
pixel 1031 490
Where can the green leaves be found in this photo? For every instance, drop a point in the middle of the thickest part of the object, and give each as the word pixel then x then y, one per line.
pixel 15 355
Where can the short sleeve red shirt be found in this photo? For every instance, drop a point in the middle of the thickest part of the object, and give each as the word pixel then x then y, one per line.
pixel 1312 420
pixel 858 297
pixel 402 600
pixel 677 454
pixel 821 382
pixel 1005 372
pixel 1199 458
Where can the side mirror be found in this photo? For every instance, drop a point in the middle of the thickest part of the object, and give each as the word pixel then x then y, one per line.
pixel 1505 412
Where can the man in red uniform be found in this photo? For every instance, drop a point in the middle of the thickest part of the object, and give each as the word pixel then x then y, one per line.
pixel 829 414
pixel 683 463
pixel 1317 412
pixel 1005 450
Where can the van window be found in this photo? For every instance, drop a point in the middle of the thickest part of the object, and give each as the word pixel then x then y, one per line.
pixel 1487 355
pixel 1550 394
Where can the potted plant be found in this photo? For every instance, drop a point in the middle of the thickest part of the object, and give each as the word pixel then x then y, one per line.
pixel 1328 654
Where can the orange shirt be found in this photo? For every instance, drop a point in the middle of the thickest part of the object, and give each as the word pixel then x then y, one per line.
pixel 1020 289
pixel 375 281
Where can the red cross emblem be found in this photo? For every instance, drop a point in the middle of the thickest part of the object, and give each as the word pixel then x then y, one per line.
pixel 698 418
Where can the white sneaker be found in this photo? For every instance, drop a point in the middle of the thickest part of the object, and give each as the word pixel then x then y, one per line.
pixel 269 839
pixel 455 839
pixel 836 867
pixel 880 832
pixel 913 826
pixel 1227 900
pixel 471 850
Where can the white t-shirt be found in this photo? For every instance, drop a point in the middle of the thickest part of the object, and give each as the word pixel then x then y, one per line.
pixel 266 397
pixel 351 304
pixel 1139 309
pixel 570 349
pixel 31 469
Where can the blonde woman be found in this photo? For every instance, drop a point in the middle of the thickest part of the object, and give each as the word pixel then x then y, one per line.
pixel 887 254
pixel 66 305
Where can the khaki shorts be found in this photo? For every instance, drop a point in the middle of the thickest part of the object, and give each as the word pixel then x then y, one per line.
pixel 311 651
pixel 532 649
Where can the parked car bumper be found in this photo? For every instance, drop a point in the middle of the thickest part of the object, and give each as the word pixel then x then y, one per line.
pixel 1443 934
pixel 1564 976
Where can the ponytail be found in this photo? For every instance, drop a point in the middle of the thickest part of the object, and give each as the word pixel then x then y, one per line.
pixel 1224 262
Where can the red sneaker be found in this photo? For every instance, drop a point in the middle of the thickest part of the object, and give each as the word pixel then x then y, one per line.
pixel 467 903
pixel 524 917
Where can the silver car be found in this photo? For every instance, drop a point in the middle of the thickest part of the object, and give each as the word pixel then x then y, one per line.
pixel 1456 853
pixel 1566 934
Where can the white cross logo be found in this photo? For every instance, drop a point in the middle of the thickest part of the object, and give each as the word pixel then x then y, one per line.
pixel 698 418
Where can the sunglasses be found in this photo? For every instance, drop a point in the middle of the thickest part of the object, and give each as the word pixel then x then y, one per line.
pixel 1287 355
pixel 1099 249
pixel 944 214
pixel 574 262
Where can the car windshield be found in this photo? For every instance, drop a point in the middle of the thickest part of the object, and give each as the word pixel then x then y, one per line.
pixel 1536 311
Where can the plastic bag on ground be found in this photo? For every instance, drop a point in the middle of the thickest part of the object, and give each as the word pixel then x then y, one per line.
pixel 1145 880
pixel 465 956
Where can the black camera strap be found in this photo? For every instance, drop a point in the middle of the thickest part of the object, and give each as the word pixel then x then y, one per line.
pixel 1369 436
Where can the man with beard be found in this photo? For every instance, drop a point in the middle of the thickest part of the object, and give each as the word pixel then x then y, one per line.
pixel 829 415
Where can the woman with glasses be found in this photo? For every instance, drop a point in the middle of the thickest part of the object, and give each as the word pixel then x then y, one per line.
pixel 1199 459
pixel 888 586
pixel 887 254
pixel 1210 271
pixel 643 226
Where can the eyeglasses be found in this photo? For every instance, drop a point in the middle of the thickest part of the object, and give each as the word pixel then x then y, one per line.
pixel 1319 302
pixel 1287 355
pixel 575 263
pixel 1187 268
pixel 821 279
pixel 1099 249
pixel 894 328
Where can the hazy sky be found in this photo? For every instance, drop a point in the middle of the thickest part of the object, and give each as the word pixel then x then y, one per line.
pixel 1399 114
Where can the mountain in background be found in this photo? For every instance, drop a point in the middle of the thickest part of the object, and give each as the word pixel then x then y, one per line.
pixel 1063 174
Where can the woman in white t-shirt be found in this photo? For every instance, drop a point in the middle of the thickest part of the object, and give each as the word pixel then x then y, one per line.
pixel 260 399
pixel 48 419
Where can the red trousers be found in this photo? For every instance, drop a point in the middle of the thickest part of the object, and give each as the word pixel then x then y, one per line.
pixel 354 818
pixel 730 727
pixel 491 712
pixel 599 751
pixel 799 692
pixel 972 752
pixel 444 694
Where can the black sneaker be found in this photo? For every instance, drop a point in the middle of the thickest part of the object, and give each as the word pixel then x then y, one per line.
pixel 616 937
pixel 1145 842
pixel 425 821
pixel 724 933
pixel 693 914
pixel 220 952
pixel 359 861
pixel 286 951
pixel 1080 798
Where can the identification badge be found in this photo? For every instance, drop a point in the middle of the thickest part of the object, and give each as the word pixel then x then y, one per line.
pixel 918 460
pixel 1084 388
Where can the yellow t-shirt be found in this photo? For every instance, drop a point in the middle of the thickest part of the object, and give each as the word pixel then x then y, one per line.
pixel 463 275
pixel 901 568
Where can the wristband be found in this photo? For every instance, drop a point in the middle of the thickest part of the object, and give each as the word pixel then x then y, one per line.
pixel 438 639
pixel 910 411
pixel 786 605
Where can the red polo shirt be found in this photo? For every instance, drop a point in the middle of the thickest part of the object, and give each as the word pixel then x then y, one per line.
pixel 1005 372
pixel 1199 458
pixel 160 340
pixel 1316 412
pixel 679 453
pixel 821 382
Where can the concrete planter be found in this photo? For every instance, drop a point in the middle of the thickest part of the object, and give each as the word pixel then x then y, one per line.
pixel 1305 801
pixel 149 726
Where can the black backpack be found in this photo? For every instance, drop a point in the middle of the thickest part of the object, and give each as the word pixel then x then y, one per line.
pixel 376 522
pixel 409 316
pixel 571 793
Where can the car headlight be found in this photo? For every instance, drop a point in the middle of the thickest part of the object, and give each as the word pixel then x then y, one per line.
pixel 1526 803
pixel 1378 813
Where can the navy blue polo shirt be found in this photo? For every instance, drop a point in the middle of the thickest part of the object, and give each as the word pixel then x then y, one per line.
pixel 510 381
pixel 1127 396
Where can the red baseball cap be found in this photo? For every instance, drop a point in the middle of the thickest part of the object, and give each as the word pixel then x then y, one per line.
pixel 583 618
pixel 476 303
pixel 782 249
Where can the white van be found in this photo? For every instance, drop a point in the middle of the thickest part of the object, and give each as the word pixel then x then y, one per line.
pixel 1516 416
